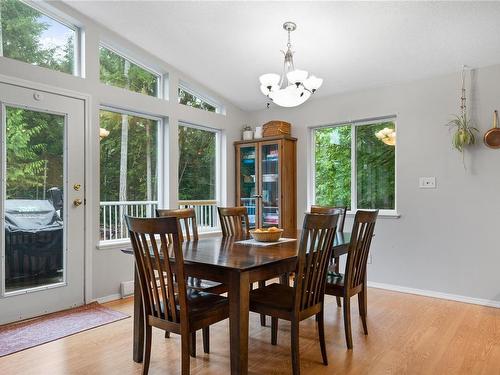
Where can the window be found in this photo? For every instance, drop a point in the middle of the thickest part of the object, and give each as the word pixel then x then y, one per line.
pixel 198 173
pixel 354 165
pixel 128 169
pixel 190 98
pixel 28 35
pixel 116 70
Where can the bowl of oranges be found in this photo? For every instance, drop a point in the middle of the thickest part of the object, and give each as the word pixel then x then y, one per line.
pixel 271 234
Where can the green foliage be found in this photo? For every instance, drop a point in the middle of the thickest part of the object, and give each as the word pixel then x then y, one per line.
pixel 196 164
pixel 21 31
pixel 34 152
pixel 115 70
pixel 142 132
pixel 333 166
pixel 191 100
pixel 375 167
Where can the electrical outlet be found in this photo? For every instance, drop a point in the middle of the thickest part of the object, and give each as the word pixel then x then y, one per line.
pixel 427 182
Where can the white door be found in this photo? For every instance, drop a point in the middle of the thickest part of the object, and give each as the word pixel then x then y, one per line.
pixel 42 202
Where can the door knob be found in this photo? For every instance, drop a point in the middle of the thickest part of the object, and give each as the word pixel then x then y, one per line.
pixel 77 202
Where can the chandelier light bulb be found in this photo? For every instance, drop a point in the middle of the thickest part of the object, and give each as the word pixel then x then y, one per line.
pixel 297 76
pixel 313 83
pixel 269 79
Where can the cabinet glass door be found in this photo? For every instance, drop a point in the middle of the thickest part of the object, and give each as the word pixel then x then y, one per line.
pixel 270 190
pixel 248 181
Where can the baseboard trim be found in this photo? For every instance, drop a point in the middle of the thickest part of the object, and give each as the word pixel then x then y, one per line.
pixel 434 294
pixel 111 297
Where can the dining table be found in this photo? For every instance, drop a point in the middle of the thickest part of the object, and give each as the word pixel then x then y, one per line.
pixel 236 264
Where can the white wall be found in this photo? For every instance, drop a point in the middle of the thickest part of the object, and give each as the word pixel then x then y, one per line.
pixel 446 239
pixel 110 266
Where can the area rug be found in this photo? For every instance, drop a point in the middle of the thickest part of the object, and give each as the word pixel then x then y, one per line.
pixel 24 335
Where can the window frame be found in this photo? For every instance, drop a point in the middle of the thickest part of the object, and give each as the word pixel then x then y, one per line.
pixel 354 188
pixel 218 156
pixel 159 84
pixel 219 108
pixel 161 163
pixel 50 12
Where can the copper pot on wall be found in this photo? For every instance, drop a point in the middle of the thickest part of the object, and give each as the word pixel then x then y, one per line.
pixel 492 136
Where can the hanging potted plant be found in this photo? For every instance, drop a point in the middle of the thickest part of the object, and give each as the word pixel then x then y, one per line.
pixel 461 125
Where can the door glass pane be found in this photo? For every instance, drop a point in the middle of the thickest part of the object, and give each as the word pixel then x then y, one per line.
pixel 332 166
pixel 270 185
pixel 248 182
pixel 375 165
pixel 33 205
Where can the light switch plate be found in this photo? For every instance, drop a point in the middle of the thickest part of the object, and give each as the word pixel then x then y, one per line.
pixel 427 183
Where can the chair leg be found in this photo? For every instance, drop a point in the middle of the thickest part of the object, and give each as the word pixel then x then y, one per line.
pixel 147 349
pixel 347 322
pixel 192 344
pixel 362 309
pixel 295 347
pixel 337 270
pixel 321 333
pixel 206 339
pixel 262 284
pixel 274 330
pixel 185 344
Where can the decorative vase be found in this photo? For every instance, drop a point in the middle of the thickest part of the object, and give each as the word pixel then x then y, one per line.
pixel 247 135
pixel 258 132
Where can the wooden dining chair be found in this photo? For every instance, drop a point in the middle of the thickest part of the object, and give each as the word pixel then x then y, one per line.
pixel 306 297
pixel 354 280
pixel 188 217
pixel 167 302
pixel 234 221
pixel 342 211
pixel 185 215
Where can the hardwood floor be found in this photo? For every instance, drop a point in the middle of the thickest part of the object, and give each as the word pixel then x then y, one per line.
pixel 407 335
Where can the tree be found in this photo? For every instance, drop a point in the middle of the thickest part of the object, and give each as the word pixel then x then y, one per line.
pixel 20 32
pixel 375 167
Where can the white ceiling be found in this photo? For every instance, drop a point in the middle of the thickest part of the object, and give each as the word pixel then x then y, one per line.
pixel 352 45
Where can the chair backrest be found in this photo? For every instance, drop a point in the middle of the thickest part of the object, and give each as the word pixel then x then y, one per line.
pixel 315 251
pixel 361 239
pixel 342 211
pixel 185 215
pixel 234 221
pixel 152 259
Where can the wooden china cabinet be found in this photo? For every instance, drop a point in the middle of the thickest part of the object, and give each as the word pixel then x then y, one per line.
pixel 266 181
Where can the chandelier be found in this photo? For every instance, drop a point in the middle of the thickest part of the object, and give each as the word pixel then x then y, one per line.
pixel 294 86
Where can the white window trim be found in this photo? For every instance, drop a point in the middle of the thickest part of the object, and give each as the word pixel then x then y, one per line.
pixel 161 162
pixel 218 163
pixel 161 77
pixel 219 108
pixel 311 193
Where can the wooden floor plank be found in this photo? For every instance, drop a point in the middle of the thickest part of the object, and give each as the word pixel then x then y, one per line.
pixel 408 335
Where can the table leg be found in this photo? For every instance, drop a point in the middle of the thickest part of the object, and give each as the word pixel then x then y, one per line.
pixel 138 350
pixel 239 293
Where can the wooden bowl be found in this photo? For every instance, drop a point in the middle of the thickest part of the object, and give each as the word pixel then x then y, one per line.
pixel 266 236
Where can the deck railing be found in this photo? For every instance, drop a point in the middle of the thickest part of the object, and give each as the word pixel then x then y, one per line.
pixel 207 217
pixel 113 226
